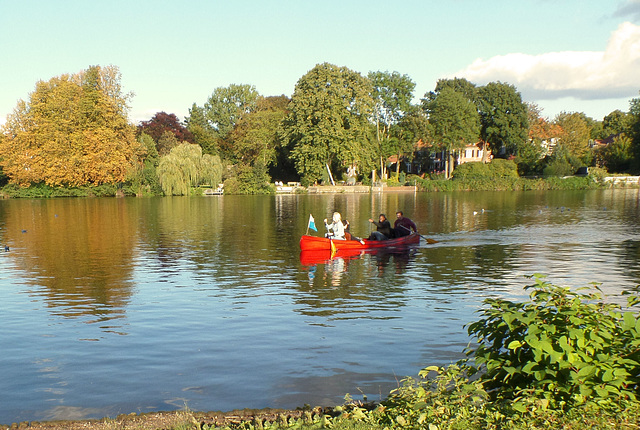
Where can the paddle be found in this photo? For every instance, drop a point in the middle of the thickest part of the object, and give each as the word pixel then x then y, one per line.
pixel 430 241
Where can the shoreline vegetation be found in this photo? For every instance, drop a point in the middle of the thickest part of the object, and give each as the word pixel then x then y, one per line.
pixel 73 134
pixel 563 359
pixel 471 183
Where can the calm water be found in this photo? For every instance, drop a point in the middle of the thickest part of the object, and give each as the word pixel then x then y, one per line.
pixel 113 306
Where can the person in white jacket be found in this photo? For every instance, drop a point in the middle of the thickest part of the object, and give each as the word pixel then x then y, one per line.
pixel 336 228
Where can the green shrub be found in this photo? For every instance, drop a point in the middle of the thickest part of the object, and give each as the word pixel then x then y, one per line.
pixel 598 174
pixel 562 359
pixel 561 348
pixel 42 190
pixel 249 180
pixel 498 168
pixel 501 168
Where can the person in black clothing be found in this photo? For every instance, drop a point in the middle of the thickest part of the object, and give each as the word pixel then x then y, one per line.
pixel 384 228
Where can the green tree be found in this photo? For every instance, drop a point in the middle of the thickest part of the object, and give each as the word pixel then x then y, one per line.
pixel 618 155
pixel 634 111
pixel 203 134
pixel 503 118
pixel 222 110
pixel 617 122
pixel 575 134
pixel 257 136
pixel 412 130
pixel 328 122
pixel 73 131
pixel 248 180
pixel 562 162
pixel 185 167
pixel 392 93
pixel 455 122
pixel 166 142
pixel 143 179
pixel 459 85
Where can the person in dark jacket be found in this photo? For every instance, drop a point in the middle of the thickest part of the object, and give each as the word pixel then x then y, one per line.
pixel 384 228
pixel 403 226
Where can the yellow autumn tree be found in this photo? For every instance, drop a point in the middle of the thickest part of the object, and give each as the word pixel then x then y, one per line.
pixel 72 131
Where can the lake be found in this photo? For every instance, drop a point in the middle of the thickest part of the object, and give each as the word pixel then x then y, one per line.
pixel 114 306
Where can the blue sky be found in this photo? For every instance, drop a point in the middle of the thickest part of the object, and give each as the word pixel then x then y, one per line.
pixel 564 55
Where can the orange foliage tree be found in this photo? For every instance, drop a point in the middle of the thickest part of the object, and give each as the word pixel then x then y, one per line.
pixel 73 131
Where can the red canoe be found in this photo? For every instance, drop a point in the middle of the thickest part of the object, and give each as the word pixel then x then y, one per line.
pixel 314 243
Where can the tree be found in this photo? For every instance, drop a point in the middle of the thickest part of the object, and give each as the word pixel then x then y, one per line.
pixel 203 134
pixel 459 85
pixel 328 121
pixel 542 135
pixel 73 131
pixel 575 134
pixel 256 135
pixel 143 179
pixel 455 122
pixel 618 155
pixel 392 93
pixel 503 117
pixel 561 162
pixel 412 130
pixel 634 111
pixel 166 142
pixel 163 122
pixel 540 129
pixel 221 112
pixel 185 167
pixel 617 122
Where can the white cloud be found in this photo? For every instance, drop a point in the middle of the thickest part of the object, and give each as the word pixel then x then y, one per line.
pixel 584 75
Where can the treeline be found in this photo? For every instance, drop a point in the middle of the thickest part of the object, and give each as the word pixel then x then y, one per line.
pixel 74 132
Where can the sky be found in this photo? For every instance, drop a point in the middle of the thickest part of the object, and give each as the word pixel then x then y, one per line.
pixel 563 55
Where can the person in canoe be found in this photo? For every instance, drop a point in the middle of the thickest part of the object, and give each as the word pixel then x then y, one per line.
pixel 383 231
pixel 336 228
pixel 403 226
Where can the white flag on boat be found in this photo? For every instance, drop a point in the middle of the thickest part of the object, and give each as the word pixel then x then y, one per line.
pixel 312 223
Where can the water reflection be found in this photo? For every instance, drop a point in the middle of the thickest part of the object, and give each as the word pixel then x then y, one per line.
pixel 337 263
pixel 398 260
pixel 195 283
pixel 77 254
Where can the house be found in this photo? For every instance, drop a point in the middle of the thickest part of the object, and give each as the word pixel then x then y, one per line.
pixel 426 160
pixel 472 152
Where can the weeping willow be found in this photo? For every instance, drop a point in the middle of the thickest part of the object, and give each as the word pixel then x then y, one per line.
pixel 185 167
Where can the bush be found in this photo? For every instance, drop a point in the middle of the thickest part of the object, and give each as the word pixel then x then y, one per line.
pixel 498 168
pixel 41 190
pixel 562 359
pixel 501 168
pixel 249 180
pixel 561 348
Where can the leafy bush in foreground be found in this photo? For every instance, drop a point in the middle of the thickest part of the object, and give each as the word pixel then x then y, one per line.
pixel 562 347
pixel 561 354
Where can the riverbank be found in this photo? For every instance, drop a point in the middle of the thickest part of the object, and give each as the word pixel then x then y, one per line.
pixel 183 419
pixel 415 184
